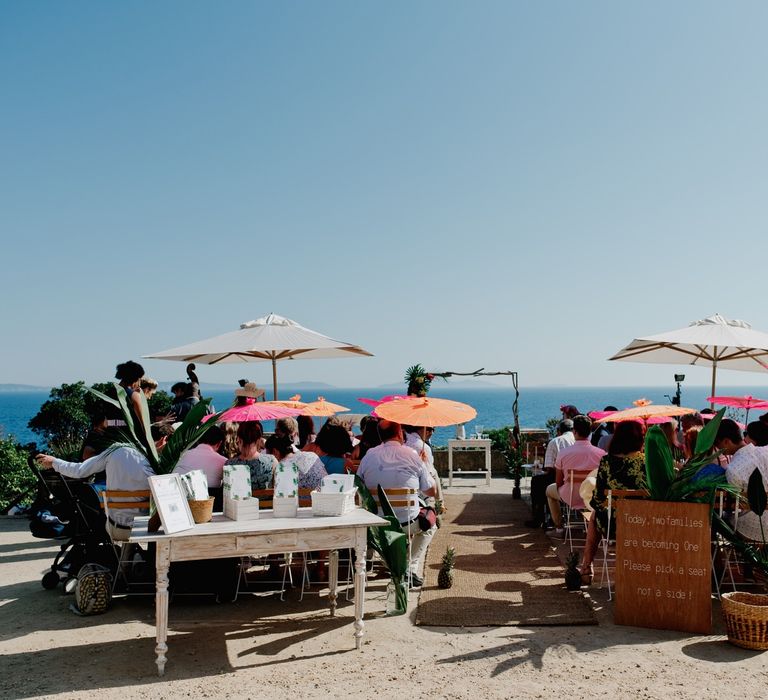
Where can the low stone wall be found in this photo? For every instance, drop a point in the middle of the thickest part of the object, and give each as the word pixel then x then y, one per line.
pixel 470 460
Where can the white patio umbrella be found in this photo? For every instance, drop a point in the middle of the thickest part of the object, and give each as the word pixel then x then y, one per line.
pixel 270 338
pixel 712 342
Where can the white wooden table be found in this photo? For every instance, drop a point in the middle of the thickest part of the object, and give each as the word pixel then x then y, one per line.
pixel 222 538
pixel 470 444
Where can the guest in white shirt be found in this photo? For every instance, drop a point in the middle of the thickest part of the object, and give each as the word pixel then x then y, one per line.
pixel 417 437
pixel 393 465
pixel 127 470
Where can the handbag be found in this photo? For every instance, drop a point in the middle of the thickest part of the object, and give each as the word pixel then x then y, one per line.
pixel 93 590
pixel 427 518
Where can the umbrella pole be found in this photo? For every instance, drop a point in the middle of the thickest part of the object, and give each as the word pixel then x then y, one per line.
pixel 274 379
pixel 714 375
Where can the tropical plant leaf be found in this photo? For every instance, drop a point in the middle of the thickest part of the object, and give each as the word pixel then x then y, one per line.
pixel 659 463
pixel 98 394
pixel 756 495
pixel 369 502
pixel 706 437
pixel 141 433
pixel 186 436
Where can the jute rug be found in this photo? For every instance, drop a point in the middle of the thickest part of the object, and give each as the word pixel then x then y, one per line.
pixel 505 574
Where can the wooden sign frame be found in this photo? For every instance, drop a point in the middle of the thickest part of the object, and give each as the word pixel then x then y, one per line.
pixel 663 565
pixel 171 503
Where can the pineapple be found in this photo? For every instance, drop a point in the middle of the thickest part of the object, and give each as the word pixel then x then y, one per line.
pixel 445 577
pixel 572 573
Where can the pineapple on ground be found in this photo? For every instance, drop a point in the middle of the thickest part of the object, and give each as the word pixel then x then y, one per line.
pixel 445 577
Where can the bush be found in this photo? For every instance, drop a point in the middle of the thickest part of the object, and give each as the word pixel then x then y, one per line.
pixel 15 475
pixel 64 419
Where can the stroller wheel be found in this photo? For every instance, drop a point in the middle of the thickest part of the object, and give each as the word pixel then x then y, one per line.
pixel 50 580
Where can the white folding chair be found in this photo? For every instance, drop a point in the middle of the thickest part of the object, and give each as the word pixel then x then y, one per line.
pixel 572 517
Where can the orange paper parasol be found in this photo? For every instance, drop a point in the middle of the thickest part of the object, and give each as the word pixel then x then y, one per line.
pixel 423 411
pixel 321 407
pixel 293 402
pixel 644 410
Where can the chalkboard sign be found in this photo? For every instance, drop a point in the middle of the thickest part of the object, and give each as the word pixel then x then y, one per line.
pixel 663 565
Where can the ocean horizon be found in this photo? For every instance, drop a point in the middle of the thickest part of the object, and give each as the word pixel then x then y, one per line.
pixel 493 404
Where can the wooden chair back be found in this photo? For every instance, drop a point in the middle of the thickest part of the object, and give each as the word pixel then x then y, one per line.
pixel 399 497
pixel 114 499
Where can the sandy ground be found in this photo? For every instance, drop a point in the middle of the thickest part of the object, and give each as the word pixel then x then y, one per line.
pixel 263 648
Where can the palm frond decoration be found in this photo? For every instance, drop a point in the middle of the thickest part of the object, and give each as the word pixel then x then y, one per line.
pixel 139 437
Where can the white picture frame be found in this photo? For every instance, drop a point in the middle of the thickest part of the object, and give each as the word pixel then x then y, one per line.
pixel 171 503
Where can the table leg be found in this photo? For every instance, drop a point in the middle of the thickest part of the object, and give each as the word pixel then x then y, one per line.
pixel 333 579
pixel 161 603
pixel 450 466
pixel 487 466
pixel 361 545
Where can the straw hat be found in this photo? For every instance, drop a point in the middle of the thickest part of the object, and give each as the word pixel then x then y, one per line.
pixel 250 390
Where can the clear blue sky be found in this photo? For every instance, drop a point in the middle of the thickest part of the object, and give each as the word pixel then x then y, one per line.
pixel 512 185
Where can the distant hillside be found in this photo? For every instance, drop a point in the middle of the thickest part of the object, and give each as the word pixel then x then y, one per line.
pixel 18 388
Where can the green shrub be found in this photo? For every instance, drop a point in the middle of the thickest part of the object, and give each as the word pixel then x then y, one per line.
pixel 15 475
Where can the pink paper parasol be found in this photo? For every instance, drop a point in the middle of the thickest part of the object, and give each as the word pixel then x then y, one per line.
pixel 255 411
pixel 746 402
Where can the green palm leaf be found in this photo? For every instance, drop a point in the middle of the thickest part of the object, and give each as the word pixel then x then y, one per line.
pixel 659 463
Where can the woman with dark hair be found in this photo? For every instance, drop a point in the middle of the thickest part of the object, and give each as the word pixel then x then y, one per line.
pixel 622 468
pixel 332 445
pixel 311 469
pixel 306 431
pixel 369 438
pixel 249 442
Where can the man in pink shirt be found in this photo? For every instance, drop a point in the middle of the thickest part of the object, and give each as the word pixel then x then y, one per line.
pixel 581 458
pixel 205 456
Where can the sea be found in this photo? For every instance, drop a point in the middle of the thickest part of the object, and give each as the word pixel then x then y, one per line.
pixel 493 404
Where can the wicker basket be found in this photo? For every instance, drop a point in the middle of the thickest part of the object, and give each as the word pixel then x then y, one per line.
pixel 332 503
pixel 746 617
pixel 202 511
pixel 285 507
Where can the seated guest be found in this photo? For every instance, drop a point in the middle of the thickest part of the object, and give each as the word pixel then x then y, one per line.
pixel 622 468
pixel 247 394
pixel 393 465
pixel 603 431
pixel 332 445
pixel 96 440
pixel 249 442
pixel 369 438
pixel 229 446
pixel 581 457
pixel 690 437
pixel 745 458
pixel 757 433
pixel 539 482
pixel 288 427
pixel 417 438
pixel 311 469
pixel 205 456
pixel 306 431
pixel 669 428
pixel 127 470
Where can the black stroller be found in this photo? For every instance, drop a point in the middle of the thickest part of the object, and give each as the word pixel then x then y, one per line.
pixel 70 510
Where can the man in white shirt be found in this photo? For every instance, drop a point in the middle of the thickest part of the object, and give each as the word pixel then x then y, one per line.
pixel 745 458
pixel 393 465
pixel 127 470
pixel 539 482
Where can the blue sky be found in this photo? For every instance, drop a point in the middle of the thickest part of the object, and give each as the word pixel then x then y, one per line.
pixel 512 185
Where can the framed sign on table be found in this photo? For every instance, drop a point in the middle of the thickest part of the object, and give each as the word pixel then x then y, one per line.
pixel 171 503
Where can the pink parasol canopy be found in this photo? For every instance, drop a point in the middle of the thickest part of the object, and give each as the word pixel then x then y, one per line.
pixel 378 402
pixel 255 411
pixel 746 402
